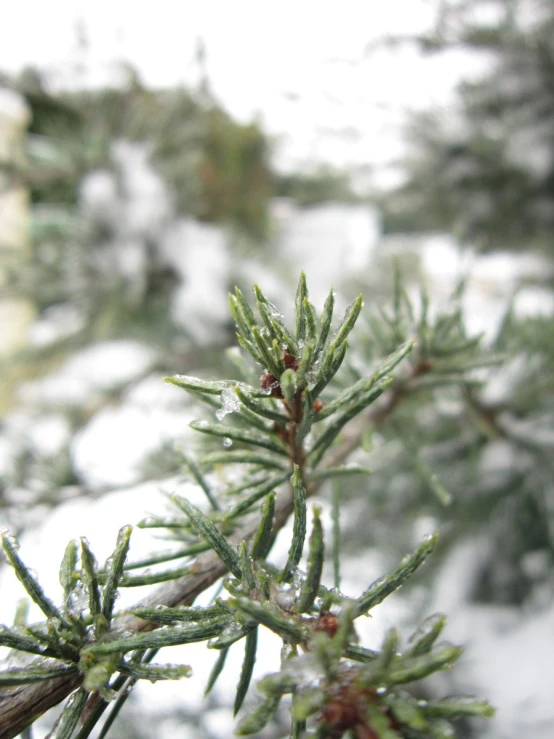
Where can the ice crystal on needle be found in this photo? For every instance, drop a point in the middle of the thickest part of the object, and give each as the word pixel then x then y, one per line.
pixel 229 403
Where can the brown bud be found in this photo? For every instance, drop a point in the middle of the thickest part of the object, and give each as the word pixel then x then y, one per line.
pixel 291 362
pixel 328 623
pixel 270 382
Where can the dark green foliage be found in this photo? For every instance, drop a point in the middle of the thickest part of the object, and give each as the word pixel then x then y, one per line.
pixel 217 168
pixel 299 529
pixel 233 174
pixel 323 186
pixel 316 556
pixel 250 647
pixel 383 587
pixel 485 169
pixel 442 429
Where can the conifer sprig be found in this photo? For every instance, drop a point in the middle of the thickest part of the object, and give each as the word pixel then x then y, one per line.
pixel 285 436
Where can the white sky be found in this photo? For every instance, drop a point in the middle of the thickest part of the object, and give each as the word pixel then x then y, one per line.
pixel 299 66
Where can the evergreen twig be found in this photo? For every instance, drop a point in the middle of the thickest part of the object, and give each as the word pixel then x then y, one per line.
pixel 292 425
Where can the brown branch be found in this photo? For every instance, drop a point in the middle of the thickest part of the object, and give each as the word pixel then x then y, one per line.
pixel 22 704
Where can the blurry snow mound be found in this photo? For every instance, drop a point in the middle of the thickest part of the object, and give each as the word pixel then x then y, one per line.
pixel 46 434
pixel 56 323
pixel 441 261
pixel 134 200
pixel 199 254
pixel 498 464
pixel 146 202
pixel 534 301
pixel 133 205
pixel 330 242
pixel 43 545
pixel 13 107
pixel 494 279
pixel 99 197
pixel 491 279
pixel 111 449
pixel 97 368
pixel 507 659
pixel 136 205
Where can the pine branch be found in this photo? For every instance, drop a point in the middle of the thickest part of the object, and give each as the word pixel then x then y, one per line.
pixel 281 419
pixel 20 707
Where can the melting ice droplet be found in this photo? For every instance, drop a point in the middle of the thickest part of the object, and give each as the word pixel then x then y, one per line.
pixel 229 403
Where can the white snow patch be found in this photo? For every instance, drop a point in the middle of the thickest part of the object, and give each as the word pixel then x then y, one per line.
pixel 58 322
pixel 331 242
pixel 99 520
pixel 49 434
pixel 111 447
pixel 164 696
pixel 154 392
pixel 200 254
pixel 498 463
pixel 98 195
pixel 145 201
pixel 99 367
pixel 491 279
pixel 507 655
pixel 13 109
pixel 534 301
pixel 8 450
pixel 441 260
pixel 504 380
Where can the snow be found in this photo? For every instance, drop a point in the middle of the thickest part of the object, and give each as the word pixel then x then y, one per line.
pixel 507 657
pixel 42 548
pixel 497 638
pixel 48 434
pixel 134 200
pixel 58 322
pixel 199 253
pixel 143 196
pixel 332 243
pixel 98 195
pixel 13 108
pixel 110 448
pixel 99 520
pixel 498 463
pixel 507 654
pixel 534 301
pixel 101 367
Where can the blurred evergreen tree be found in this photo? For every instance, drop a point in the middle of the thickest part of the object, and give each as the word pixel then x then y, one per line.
pixel 234 175
pixel 486 169
pixel 323 185
pixel 217 169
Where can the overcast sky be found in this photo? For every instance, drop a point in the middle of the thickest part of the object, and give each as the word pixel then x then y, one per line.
pixel 301 67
